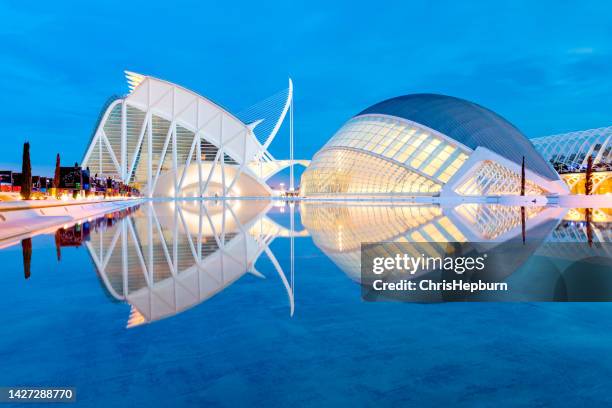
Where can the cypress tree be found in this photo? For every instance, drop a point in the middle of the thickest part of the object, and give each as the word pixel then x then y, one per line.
pixel 56 176
pixel 26 250
pixel 58 245
pixel 26 172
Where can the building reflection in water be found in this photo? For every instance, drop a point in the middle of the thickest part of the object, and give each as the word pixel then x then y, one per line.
pixel 338 230
pixel 79 233
pixel 165 257
pixel 544 242
pixel 170 256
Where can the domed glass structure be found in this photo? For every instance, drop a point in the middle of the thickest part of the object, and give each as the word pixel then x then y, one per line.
pixel 426 144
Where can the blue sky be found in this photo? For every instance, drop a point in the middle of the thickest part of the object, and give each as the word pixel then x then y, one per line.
pixel 545 66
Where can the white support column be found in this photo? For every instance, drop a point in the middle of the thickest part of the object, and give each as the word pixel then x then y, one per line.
pixel 292 251
pixel 222 239
pixel 200 236
pixel 100 152
pixel 174 152
pixel 175 235
pixel 199 161
pixel 291 182
pixel 222 160
pixel 151 264
pixel 174 159
pixel 150 156
pixel 123 158
pixel 124 256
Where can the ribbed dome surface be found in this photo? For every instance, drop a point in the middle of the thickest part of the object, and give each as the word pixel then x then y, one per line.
pixel 467 123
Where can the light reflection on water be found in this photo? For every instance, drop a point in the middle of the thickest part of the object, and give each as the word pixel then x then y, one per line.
pixel 260 330
pixel 163 258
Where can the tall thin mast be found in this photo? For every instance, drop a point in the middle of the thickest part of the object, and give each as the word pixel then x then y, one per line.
pixel 291 183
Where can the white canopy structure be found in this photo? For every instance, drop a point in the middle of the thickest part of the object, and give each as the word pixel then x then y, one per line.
pixel 569 152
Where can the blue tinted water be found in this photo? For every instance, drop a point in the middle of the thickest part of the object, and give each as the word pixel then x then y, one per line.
pixel 61 327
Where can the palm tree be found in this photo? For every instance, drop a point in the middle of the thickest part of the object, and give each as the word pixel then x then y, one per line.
pixel 26 173
pixel 588 182
pixel 523 177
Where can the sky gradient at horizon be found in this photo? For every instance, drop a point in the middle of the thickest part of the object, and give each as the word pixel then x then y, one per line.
pixel 543 66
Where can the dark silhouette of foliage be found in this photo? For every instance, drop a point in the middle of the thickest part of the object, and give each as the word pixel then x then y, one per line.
pixel 26 171
pixel 26 250
pixel 56 176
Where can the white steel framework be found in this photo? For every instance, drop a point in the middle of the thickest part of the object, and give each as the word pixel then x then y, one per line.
pixel 166 139
pixel 569 152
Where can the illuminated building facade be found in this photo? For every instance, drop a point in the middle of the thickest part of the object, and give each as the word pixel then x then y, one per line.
pixel 171 142
pixel 426 144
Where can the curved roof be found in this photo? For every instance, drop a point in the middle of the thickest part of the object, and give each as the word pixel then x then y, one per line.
pixel 467 123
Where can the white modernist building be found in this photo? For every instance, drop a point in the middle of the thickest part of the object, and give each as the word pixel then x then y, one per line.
pixel 172 142
pixel 428 145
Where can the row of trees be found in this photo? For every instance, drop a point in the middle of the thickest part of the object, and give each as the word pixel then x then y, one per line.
pixel 26 171
pixel 84 183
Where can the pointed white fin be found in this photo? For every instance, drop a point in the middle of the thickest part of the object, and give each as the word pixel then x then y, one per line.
pixel 133 79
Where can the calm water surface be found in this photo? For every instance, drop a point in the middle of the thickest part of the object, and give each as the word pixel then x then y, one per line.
pixel 119 308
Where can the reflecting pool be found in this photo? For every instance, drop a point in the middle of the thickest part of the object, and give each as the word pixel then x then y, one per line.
pixel 230 303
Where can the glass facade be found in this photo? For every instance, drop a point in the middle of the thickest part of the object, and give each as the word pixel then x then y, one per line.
pixel 377 154
pixel 344 171
pixel 101 162
pixel 494 179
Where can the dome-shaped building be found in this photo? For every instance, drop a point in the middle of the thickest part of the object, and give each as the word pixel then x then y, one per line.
pixel 427 144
